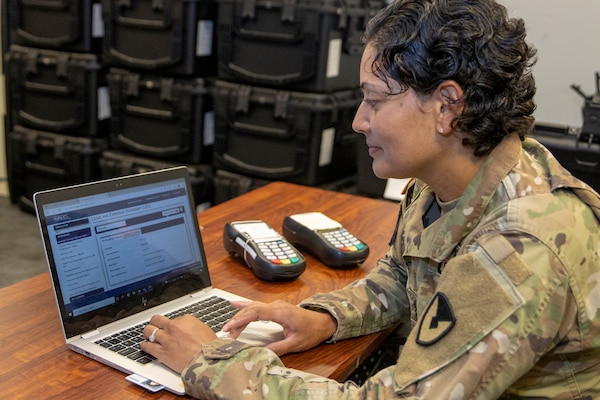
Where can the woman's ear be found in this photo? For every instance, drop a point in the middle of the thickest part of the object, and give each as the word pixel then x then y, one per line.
pixel 450 106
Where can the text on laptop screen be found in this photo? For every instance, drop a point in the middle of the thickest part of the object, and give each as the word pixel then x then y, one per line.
pixel 122 249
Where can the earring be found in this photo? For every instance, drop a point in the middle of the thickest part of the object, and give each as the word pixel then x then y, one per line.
pixel 441 130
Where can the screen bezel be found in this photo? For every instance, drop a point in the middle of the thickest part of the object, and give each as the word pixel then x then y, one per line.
pixel 79 325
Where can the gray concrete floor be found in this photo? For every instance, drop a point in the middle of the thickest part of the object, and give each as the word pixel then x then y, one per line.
pixel 21 251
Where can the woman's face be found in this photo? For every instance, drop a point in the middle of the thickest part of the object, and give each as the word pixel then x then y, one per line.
pixel 400 129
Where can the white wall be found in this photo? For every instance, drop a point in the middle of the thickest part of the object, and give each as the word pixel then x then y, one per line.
pixel 565 32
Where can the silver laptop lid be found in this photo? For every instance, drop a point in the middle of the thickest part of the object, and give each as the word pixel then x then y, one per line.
pixel 119 246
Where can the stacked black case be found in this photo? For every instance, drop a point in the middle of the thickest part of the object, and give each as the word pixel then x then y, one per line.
pixel 57 115
pixel 118 80
pixel 44 160
pixel 67 25
pixel 285 96
pixel 304 45
pixel 171 37
pixel 160 57
pixel 57 91
pixel 234 89
pixel 161 116
pixel 298 137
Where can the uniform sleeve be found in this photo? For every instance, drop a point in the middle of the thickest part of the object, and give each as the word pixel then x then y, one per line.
pixel 490 322
pixel 368 305
pixel 228 369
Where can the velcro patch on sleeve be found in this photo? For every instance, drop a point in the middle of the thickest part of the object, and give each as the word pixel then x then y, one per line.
pixel 473 297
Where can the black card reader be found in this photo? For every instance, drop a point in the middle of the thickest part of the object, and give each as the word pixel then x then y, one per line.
pixel 270 256
pixel 325 238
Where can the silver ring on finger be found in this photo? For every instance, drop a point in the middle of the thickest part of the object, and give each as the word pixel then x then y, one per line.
pixel 152 337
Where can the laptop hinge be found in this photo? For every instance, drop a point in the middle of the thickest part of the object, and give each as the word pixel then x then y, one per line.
pixel 201 292
pixel 90 334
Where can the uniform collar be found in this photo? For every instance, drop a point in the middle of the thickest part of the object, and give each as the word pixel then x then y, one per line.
pixel 442 236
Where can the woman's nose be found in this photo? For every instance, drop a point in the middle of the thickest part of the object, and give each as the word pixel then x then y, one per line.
pixel 360 123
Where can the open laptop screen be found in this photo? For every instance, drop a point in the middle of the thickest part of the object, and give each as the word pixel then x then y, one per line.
pixel 118 246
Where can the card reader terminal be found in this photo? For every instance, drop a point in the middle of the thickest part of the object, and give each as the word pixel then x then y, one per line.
pixel 325 238
pixel 270 256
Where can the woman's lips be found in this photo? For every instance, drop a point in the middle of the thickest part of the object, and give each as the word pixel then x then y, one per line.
pixel 373 150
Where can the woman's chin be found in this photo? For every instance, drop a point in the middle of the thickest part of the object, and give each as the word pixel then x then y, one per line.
pixel 381 173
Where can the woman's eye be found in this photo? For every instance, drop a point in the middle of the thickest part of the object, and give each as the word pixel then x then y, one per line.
pixel 370 103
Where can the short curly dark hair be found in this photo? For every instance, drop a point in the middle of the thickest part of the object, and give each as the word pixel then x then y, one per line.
pixel 421 43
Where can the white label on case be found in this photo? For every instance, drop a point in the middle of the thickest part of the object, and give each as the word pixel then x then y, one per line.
pixel 208 136
pixel 327 139
pixel 104 111
pixel 97 22
pixel 204 38
pixel 334 58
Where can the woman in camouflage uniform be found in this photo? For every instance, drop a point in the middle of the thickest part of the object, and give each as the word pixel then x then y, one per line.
pixel 494 263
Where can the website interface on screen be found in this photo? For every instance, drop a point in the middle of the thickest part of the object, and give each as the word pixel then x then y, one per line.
pixel 118 245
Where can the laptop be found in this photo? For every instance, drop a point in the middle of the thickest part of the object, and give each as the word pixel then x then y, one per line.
pixel 122 250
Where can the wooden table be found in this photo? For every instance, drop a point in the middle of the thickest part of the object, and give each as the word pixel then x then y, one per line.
pixel 36 363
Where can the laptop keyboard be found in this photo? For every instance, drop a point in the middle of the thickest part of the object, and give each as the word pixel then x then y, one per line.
pixel 213 311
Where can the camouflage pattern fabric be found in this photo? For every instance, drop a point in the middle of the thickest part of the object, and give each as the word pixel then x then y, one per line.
pixel 502 293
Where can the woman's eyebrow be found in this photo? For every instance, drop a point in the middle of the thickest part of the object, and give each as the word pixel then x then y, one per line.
pixel 370 87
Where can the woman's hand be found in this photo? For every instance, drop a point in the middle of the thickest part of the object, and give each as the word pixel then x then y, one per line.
pixel 175 342
pixel 178 341
pixel 302 329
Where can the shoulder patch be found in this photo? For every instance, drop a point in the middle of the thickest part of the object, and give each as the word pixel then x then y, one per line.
pixel 437 320
pixel 480 299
